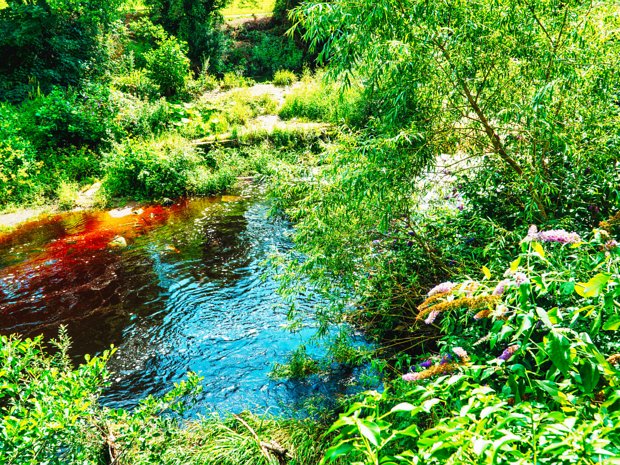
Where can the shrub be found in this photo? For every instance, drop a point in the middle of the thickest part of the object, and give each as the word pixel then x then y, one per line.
pixel 51 43
pixel 231 80
pixel 168 66
pixel 150 169
pixel 47 408
pixel 19 166
pixel 284 78
pixel 316 100
pixel 67 193
pixel 136 83
pixel 272 52
pixel 74 117
pixel 522 355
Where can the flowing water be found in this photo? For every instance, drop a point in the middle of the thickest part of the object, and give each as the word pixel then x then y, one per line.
pixel 187 292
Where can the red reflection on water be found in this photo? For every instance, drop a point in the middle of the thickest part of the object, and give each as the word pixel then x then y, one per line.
pixel 68 265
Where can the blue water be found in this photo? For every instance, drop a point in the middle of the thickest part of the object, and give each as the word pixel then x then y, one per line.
pixel 191 293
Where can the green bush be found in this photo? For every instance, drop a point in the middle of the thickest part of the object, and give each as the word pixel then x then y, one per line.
pixel 19 165
pixel 148 169
pixel 168 66
pixel 48 410
pixel 47 43
pixel 527 367
pixel 231 80
pixel 78 117
pixel 136 83
pixel 273 52
pixel 284 78
pixel 316 100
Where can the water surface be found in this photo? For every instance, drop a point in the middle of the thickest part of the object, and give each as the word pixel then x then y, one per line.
pixel 188 292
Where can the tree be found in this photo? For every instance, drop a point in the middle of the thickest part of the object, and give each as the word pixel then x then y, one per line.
pixel 195 22
pixel 44 43
pixel 523 89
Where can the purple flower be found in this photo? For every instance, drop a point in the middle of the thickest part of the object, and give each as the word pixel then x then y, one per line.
pixel 445 359
pixel 521 278
pixel 442 288
pixel 611 244
pixel 376 242
pixel 411 377
pixel 501 287
pixel 559 235
pixel 508 352
pixel 431 317
pixel 461 353
pixel 426 363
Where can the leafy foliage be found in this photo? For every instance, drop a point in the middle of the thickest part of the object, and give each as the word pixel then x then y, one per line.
pixel 522 90
pixel 196 22
pixel 530 377
pixel 51 42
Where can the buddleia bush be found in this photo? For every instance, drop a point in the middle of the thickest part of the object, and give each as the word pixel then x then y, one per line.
pixel 526 369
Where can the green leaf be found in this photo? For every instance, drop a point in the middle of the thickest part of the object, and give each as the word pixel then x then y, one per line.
pixel 402 407
pixel 544 317
pixel 593 287
pixel 514 266
pixel 612 324
pixel 336 451
pixel 538 248
pixel 589 376
pixel 370 431
pixel 559 352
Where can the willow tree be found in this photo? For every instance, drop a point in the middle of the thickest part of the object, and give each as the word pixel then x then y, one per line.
pixel 527 90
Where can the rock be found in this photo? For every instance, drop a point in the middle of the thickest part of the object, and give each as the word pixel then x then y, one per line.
pixel 118 242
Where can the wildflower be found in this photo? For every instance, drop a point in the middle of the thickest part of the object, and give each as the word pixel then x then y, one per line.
pixel 553 235
pixel 461 353
pixel 501 287
pixel 482 314
pixel 471 287
pixel 611 244
pixel 411 376
pixel 472 303
pixel 426 363
pixel 431 317
pixel 442 288
pixel 614 359
pixel 439 369
pixel 445 359
pixel 532 234
pixel 521 278
pixel 559 235
pixel 508 352
pixel 376 242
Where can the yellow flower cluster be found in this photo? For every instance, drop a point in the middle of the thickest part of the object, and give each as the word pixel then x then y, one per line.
pixel 486 302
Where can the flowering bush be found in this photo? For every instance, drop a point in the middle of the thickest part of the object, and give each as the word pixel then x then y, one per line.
pixel 529 371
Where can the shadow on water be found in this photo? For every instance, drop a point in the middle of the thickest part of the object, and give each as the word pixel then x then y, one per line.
pixel 187 293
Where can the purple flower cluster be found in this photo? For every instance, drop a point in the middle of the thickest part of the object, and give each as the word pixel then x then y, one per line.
pixel 426 363
pixel 430 319
pixel 501 287
pixel 442 288
pixel 553 235
pixel 411 376
pixel 461 353
pixel 611 244
pixel 520 278
pixel 508 352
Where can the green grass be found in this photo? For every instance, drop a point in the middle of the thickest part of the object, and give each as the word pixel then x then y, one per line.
pixel 248 8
